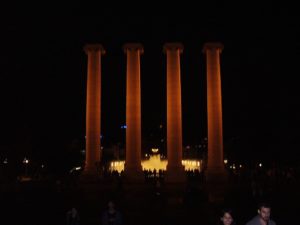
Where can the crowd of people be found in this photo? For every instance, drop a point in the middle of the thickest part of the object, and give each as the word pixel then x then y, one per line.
pixel 112 216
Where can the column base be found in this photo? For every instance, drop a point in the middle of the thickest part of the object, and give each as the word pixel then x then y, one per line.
pixel 175 174
pixel 133 174
pixel 216 184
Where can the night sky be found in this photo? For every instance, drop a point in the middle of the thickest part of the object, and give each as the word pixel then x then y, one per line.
pixel 44 68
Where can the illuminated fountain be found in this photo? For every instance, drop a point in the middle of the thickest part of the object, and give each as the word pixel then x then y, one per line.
pixel 158 162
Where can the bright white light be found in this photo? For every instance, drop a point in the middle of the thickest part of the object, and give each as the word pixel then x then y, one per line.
pixel 225 161
pixel 75 168
pixel 260 165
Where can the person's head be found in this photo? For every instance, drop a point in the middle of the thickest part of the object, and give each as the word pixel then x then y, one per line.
pixel 227 217
pixel 73 210
pixel 264 211
pixel 111 205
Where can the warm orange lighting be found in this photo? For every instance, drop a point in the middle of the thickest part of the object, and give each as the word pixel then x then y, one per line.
pixel 93 107
pixel 174 114
pixel 156 162
pixel 133 109
pixel 214 107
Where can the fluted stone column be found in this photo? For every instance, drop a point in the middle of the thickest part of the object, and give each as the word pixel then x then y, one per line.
pixel 93 109
pixel 215 173
pixel 175 170
pixel 133 167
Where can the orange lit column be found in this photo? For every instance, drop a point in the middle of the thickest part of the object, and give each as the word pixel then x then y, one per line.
pixel 215 165
pixel 93 108
pixel 175 170
pixel 133 167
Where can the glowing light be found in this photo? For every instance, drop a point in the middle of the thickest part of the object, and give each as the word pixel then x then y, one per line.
pixel 225 161
pixel 75 168
pixel 154 150
pixel 117 165
pixel 25 160
pixel 157 162
pixel 260 165
pixel 5 161
pixel 154 162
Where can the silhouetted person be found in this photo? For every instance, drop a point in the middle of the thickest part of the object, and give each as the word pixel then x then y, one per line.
pixel 263 217
pixel 73 217
pixel 111 216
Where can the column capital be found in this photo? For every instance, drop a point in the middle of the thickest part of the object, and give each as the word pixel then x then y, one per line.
pixel 133 46
pixel 212 46
pixel 94 47
pixel 173 46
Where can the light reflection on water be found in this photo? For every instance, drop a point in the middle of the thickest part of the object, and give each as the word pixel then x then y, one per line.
pixel 156 162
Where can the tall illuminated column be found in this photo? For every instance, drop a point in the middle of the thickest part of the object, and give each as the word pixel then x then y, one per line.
pixel 175 170
pixel 215 165
pixel 93 108
pixel 133 167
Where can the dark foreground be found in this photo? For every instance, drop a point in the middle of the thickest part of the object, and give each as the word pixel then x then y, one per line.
pixel 44 203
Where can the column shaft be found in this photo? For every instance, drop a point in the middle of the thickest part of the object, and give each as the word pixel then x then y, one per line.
pixel 133 167
pixel 216 177
pixel 93 108
pixel 214 111
pixel 175 170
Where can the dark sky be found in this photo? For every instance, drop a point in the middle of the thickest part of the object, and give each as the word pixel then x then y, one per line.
pixel 43 73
